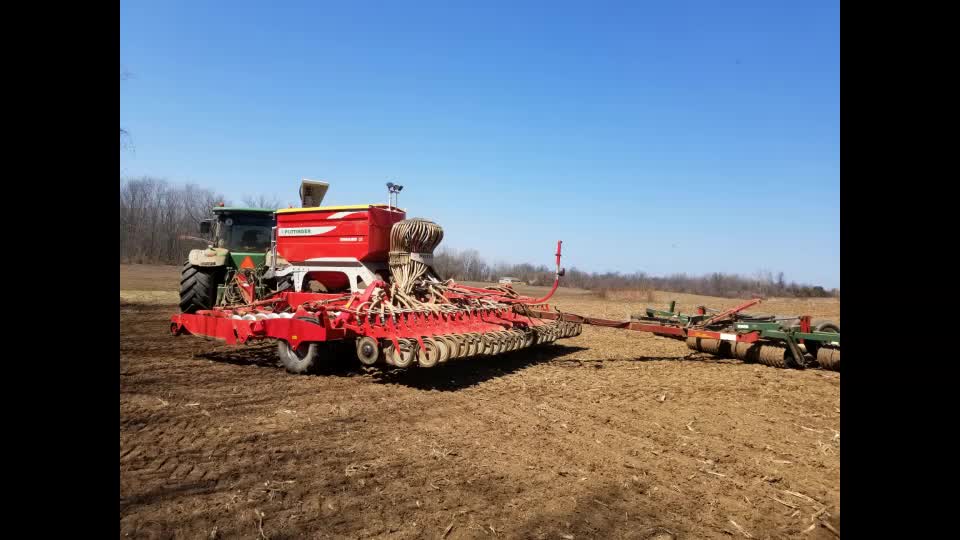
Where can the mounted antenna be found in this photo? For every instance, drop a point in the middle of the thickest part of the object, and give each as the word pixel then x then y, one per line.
pixel 312 192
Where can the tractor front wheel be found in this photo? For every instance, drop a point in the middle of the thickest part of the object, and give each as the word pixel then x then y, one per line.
pixel 198 287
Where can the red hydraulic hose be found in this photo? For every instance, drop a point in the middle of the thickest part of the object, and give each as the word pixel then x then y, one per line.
pixel 556 283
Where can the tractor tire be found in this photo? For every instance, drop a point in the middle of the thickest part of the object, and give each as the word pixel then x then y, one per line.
pixel 198 287
pixel 298 360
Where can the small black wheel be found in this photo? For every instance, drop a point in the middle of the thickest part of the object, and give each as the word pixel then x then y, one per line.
pixel 300 359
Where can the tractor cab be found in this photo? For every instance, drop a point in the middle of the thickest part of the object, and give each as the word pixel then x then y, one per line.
pixel 237 266
pixel 242 232
pixel 238 241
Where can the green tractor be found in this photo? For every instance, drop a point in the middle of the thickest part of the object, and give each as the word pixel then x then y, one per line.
pixel 230 269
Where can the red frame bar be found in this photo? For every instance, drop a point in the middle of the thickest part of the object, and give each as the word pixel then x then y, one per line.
pixel 239 330
pixel 726 314
pixel 677 332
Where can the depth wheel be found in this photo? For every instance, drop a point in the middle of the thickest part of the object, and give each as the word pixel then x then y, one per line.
pixel 300 359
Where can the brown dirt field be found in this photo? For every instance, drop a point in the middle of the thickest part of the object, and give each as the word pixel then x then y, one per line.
pixel 611 434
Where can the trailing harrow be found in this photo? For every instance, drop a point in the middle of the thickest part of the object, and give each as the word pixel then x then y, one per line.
pixel 784 342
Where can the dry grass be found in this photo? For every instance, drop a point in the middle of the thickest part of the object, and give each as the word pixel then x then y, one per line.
pixel 633 295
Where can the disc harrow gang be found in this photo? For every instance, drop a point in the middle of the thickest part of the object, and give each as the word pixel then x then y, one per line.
pixel 782 342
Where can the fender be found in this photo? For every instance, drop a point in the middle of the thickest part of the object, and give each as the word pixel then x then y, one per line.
pixel 209 257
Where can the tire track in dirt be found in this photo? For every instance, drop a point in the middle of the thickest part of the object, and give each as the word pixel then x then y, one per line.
pixel 210 435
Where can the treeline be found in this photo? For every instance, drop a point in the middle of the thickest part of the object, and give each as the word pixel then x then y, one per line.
pixel 468 265
pixel 155 215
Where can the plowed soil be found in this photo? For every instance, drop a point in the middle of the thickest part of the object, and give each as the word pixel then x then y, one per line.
pixel 612 434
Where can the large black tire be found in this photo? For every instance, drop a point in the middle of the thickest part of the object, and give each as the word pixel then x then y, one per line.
pixel 198 287
pixel 298 360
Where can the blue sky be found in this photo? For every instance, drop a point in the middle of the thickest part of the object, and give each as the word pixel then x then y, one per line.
pixel 650 136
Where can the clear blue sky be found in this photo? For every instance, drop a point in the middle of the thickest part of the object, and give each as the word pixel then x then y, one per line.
pixel 655 136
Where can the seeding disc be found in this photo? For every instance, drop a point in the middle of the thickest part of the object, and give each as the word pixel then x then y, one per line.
pixel 429 354
pixel 490 345
pixel 514 340
pixel 503 338
pixel 467 346
pixel 368 350
pixel 476 344
pixel 453 347
pixel 497 341
pixel 541 334
pixel 442 348
pixel 459 348
pixel 507 339
pixel 519 339
pixel 388 352
pixel 404 357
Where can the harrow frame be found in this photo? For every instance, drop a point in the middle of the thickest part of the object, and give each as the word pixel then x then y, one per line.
pixel 732 327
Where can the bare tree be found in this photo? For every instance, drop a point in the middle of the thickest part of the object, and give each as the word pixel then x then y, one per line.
pixel 271 202
pixel 154 216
